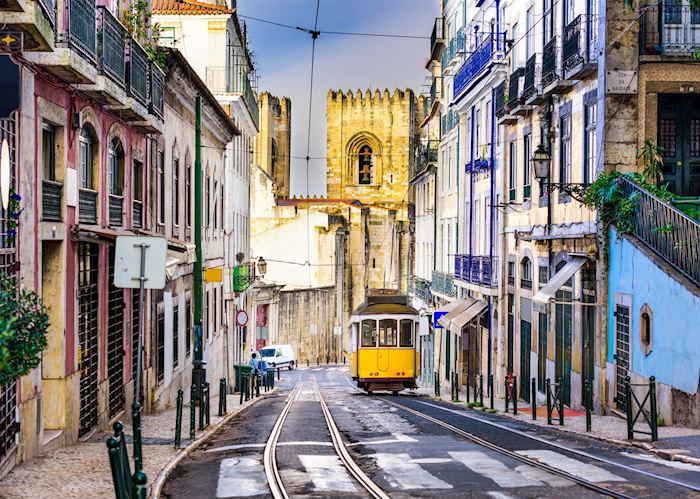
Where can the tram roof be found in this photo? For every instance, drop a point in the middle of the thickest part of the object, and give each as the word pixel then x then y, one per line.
pixel 384 309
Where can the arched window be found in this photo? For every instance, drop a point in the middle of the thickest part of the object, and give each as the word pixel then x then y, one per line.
pixel 526 273
pixel 365 163
pixel 115 165
pixel 645 328
pixel 87 157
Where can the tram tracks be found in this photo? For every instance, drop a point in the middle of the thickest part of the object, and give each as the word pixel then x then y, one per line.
pixel 272 472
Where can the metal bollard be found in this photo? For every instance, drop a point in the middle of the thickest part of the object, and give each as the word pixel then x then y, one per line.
pixel 491 389
pixel 437 384
pixel 178 418
pixel 628 408
pixel 257 386
pixel 222 397
pixel 654 414
pixel 343 359
pixel 533 397
pixel 549 401
pixel 481 390
pixel 193 403
pixel 561 402
pixel 136 428
pixel 140 490
pixel 456 387
pixel 201 410
pixel 278 376
pixel 328 359
pixel 507 394
pixel 318 361
pixel 469 386
pixel 246 386
pixel 307 362
pixel 240 401
pixel 589 404
pixel 515 395
pixel 208 399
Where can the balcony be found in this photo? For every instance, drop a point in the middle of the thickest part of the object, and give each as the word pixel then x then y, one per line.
pixel 477 270
pixel 552 81
pixel 137 71
pixel 116 207
pixel 420 288
pixel 137 214
pixel 157 91
pixel 223 80
pixel 443 284
pixel 87 205
pixel 51 200
pixel 670 30
pixel 453 49
pixel 34 20
pixel 434 91
pixel 111 48
pixel 579 57
pixel 532 91
pixel 426 155
pixel 491 50
pixel 449 121
pixel 81 27
pixel 500 100
pixel 515 88
pixel 437 42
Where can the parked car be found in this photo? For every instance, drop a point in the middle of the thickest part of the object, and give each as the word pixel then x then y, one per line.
pixel 278 356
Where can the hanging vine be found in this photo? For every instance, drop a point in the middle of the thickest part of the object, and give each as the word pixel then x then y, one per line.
pixel 135 17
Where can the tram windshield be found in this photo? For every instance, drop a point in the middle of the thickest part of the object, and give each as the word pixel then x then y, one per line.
pixel 369 333
pixel 387 333
pixel 406 336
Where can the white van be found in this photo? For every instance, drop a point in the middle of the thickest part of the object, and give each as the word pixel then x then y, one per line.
pixel 278 356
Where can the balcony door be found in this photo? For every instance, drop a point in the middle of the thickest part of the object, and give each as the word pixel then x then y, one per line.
pixel 678 131
pixel 681 26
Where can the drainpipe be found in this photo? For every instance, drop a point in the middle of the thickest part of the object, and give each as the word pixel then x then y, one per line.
pixel 498 25
pixel 491 227
pixel 458 192
pixel 471 191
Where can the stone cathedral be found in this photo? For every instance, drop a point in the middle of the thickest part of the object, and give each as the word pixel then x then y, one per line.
pixel 325 253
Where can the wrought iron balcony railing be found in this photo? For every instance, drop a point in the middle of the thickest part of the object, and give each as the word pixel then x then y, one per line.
pixel 670 28
pixel 157 93
pixel 433 91
pixel 680 244
pixel 221 79
pixel 138 72
pixel 51 200
pixel 514 87
pixel 500 100
pixel 426 155
pixel 87 204
pixel 550 56
pixel 436 39
pixel 81 27
pixel 575 46
pixel 49 9
pixel 443 283
pixel 449 121
pixel 479 270
pixel 533 74
pixel 111 47
pixel 137 214
pixel 489 50
pixel 116 207
pixel 421 289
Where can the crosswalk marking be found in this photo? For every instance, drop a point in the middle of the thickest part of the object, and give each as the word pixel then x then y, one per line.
pixel 577 468
pixel 493 469
pixel 543 476
pixel 327 473
pixel 402 473
pixel 241 477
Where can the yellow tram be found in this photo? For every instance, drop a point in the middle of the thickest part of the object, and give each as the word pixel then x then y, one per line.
pixel 383 339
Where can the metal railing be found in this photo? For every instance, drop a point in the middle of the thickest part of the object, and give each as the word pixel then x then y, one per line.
pixel 443 283
pixel 500 100
pixel 449 121
pixel 575 45
pixel 433 91
pixel 157 91
pixel 514 87
pixel 51 198
pixel 137 214
pixel 427 154
pixel 670 29
pixel 479 270
pixel 420 288
pixel 221 79
pixel 436 37
pixel 669 232
pixel 550 57
pixel 49 9
pixel 81 26
pixel 489 49
pixel 533 75
pixel 111 48
pixel 87 204
pixel 116 215
pixel 138 72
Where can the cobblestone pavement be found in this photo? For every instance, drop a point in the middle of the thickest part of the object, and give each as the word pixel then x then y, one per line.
pixel 674 439
pixel 82 471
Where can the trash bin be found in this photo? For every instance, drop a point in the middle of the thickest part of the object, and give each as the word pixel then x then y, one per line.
pixel 240 370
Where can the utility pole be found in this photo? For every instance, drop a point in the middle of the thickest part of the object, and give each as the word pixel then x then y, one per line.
pixel 199 373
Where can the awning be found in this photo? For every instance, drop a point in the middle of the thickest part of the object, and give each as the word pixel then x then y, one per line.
pixel 453 309
pixel 468 315
pixel 541 299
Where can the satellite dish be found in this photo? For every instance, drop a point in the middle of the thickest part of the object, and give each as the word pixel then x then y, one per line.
pixel 5 173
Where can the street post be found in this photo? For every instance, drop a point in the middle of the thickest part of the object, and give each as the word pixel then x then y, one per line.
pixel 199 373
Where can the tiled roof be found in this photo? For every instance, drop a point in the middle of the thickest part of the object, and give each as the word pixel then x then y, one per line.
pixel 187 7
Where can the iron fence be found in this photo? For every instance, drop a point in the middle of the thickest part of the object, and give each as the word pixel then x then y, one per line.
pixel 111 48
pixel 116 206
pixel 420 288
pixel 436 37
pixel 443 283
pixel 514 87
pixel 479 270
pixel 669 232
pixel 500 100
pixel 575 47
pixel 533 74
pixel 487 51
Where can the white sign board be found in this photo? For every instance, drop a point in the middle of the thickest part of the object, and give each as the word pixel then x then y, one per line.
pixel 127 262
pixel 620 82
pixel 424 326
pixel 314 329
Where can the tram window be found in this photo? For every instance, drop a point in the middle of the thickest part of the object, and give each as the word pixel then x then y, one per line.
pixel 406 338
pixel 387 333
pixel 369 333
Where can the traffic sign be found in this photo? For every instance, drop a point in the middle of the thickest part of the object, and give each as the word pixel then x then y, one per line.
pixel 128 265
pixel 242 318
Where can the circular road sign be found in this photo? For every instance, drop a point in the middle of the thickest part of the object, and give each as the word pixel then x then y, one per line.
pixel 242 318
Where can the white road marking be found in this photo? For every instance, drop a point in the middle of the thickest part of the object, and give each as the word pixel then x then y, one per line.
pixel 657 460
pixel 402 473
pixel 327 473
pixel 398 438
pixel 543 476
pixel 498 495
pixel 494 469
pixel 577 468
pixel 260 446
pixel 241 477
pixel 431 460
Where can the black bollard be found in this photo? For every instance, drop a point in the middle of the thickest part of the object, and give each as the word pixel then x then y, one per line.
pixel 481 390
pixel 507 394
pixel 178 418
pixel 201 410
pixel 208 399
pixel 547 385
pixel 588 403
pixel 561 402
pixel 222 397
pixel 491 389
pixel 533 398
pixel 653 409
pixel 515 395
pixel 193 407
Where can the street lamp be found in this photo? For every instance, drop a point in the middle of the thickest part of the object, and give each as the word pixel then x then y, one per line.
pixel 542 161
pixel 262 266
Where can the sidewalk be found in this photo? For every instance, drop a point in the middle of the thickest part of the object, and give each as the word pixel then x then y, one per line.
pixel 675 443
pixel 82 470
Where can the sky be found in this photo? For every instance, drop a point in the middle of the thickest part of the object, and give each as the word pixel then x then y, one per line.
pixel 283 61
